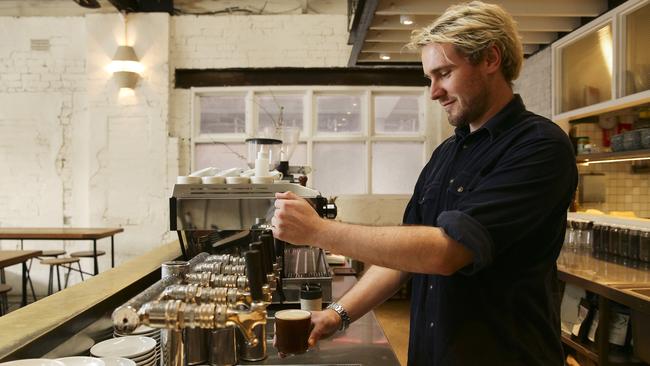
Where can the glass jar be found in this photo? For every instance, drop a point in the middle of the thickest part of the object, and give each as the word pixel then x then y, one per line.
pixel 644 246
pixel 624 244
pixel 596 249
pixel 604 241
pixel 613 240
pixel 634 245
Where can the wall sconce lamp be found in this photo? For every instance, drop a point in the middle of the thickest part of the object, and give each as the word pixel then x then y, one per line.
pixel 125 67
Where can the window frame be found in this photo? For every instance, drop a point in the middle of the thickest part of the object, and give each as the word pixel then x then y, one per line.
pixel 309 135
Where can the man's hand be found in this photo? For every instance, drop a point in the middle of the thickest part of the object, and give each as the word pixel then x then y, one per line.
pixel 323 324
pixel 295 220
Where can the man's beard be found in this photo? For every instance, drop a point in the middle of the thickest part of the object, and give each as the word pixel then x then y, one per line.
pixel 471 109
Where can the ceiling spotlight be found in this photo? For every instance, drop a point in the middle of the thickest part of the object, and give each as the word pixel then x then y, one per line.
pixel 406 19
pixel 384 56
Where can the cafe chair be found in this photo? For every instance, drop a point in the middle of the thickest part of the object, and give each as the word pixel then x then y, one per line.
pixel 60 262
pixel 87 254
pixel 4 301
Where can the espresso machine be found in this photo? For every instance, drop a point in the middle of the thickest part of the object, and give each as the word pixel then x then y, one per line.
pixel 211 306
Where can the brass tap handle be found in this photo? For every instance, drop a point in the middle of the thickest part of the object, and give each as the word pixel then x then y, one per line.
pixel 175 314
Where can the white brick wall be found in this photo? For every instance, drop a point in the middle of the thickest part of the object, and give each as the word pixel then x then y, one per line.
pixel 311 40
pixel 534 83
pixel 73 151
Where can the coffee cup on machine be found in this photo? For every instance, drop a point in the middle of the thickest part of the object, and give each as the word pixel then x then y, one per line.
pixel 292 328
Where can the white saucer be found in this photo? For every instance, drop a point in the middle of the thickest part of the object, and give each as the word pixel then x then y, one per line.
pixel 128 347
pixel 118 361
pixel 81 361
pixel 142 358
pixel 33 362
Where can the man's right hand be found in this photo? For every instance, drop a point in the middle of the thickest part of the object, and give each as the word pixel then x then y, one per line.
pixel 324 324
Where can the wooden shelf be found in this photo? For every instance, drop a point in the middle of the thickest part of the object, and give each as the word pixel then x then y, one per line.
pixel 613 156
pixel 586 350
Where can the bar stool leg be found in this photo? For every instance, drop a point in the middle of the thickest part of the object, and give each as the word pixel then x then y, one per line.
pixel 29 279
pixel 58 279
pixel 50 283
pixel 67 276
pixel 81 273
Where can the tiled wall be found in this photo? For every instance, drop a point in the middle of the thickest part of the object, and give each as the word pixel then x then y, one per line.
pixel 626 191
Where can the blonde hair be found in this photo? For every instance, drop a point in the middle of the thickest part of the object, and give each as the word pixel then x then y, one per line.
pixel 472 28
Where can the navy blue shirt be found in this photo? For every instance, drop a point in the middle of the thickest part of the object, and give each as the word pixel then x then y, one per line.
pixel 502 191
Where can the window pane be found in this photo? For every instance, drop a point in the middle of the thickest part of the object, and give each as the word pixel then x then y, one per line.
pixel 637 72
pixel 269 111
pixel 396 114
pixel 222 156
pixel 223 114
pixel 339 168
pixel 396 166
pixel 338 113
pixel 587 70
pixel 299 156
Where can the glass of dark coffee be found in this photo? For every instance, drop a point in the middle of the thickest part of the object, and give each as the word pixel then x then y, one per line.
pixel 292 329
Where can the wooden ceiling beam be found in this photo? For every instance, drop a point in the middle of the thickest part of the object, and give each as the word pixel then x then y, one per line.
pixel 526 24
pixel 562 8
pixel 403 36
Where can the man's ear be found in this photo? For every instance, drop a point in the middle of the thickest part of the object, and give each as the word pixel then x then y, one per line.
pixel 493 59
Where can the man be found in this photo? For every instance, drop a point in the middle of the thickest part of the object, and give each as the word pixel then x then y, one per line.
pixel 486 221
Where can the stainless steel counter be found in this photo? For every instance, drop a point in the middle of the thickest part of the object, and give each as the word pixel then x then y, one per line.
pixel 363 343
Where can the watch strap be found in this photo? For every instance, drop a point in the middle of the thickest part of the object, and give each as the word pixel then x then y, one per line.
pixel 340 310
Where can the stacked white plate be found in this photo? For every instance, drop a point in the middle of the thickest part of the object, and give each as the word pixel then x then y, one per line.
pixel 144 331
pixel 139 349
pixel 33 362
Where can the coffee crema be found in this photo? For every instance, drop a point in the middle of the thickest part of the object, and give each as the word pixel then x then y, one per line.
pixel 292 314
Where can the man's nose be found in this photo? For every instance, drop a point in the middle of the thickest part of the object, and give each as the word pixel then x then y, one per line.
pixel 436 91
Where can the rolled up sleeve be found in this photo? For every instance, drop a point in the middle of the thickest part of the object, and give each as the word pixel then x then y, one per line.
pixel 470 233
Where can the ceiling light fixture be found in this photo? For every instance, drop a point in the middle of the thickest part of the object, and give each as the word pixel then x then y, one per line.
pixel 384 56
pixel 126 67
pixel 406 19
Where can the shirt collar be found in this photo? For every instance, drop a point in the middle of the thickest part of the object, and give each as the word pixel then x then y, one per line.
pixel 499 123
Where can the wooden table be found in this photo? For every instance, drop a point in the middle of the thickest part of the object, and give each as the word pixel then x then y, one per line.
pixel 42 233
pixel 11 257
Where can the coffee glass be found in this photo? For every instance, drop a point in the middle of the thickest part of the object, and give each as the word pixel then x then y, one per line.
pixel 292 328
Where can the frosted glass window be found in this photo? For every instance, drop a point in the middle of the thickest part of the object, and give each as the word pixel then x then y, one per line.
pixel 637 68
pixel 396 114
pixel 299 156
pixel 396 166
pixel 338 113
pixel 339 168
pixel 223 114
pixel 587 70
pixel 222 156
pixel 269 111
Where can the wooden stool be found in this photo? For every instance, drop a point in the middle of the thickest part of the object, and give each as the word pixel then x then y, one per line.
pixel 57 262
pixel 45 253
pixel 87 254
pixel 4 301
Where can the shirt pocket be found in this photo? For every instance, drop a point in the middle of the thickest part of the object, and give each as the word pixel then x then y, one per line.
pixel 458 187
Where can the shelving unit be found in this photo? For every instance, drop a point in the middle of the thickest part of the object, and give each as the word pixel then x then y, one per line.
pixel 612 283
pixel 613 156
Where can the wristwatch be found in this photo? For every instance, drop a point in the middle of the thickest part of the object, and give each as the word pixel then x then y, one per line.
pixel 345 318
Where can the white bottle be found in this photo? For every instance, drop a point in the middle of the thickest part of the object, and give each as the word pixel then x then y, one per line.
pixel 262 164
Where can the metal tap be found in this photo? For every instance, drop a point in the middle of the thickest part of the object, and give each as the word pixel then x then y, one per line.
pixel 225 258
pixel 175 314
pixel 221 268
pixel 216 295
pixel 208 279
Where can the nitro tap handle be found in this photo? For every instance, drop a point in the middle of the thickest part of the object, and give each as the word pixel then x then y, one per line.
pixel 267 241
pixel 256 245
pixel 254 274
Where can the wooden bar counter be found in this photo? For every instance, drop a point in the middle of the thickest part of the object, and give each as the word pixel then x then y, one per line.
pixel 48 321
